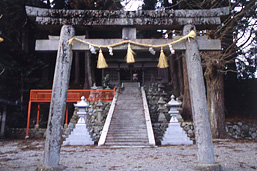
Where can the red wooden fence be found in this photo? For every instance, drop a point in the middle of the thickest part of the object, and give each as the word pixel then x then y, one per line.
pixel 73 96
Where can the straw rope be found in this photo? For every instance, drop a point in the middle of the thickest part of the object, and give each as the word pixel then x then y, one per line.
pixel 101 63
pixel 191 34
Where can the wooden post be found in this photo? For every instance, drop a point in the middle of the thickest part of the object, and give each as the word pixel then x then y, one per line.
pixel 199 104
pixel 28 119
pixel 3 121
pixel 88 75
pixel 58 101
pixel 76 73
pixel 173 73
pixel 38 112
pixel 180 74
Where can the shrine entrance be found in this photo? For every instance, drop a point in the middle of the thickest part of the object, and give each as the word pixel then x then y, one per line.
pixel 126 74
pixel 129 23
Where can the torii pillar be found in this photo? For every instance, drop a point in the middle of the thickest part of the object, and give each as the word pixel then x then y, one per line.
pixel 205 154
pixel 58 102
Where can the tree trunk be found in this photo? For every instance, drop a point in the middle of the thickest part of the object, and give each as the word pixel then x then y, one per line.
pixel 215 95
pixel 88 75
pixel 186 108
pixel 180 75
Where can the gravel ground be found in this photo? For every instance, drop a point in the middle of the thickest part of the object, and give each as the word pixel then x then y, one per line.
pixel 27 155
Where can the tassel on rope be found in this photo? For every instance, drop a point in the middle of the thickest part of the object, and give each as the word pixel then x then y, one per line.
pixel 101 63
pixel 1 39
pixel 162 60
pixel 130 55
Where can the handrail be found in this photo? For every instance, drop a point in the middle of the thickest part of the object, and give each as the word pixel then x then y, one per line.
pixel 108 121
pixel 148 119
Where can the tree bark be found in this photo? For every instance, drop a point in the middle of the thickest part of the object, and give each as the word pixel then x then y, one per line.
pixel 215 95
pixel 186 107
pixel 199 105
pixel 180 75
pixel 58 100
pixel 88 76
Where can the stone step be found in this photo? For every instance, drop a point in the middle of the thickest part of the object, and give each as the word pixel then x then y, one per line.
pixel 128 127
pixel 126 144
pixel 127 138
pixel 124 129
pixel 128 141
pixel 127 133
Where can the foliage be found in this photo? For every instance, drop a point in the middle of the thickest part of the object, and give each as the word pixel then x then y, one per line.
pixel 19 68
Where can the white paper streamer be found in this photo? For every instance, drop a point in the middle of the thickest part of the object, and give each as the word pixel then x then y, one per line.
pixel 152 51
pixel 110 51
pixel 92 49
pixel 172 51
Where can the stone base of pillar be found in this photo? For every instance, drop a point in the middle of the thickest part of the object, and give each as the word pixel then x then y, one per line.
pixel 54 168
pixel 207 167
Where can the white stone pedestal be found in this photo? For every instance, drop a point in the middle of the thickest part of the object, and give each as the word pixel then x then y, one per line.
pixel 79 136
pixel 175 135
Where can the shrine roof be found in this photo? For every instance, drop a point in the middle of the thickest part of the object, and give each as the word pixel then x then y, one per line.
pixel 91 19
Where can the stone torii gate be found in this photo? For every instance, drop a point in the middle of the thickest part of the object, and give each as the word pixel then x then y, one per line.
pixel 129 22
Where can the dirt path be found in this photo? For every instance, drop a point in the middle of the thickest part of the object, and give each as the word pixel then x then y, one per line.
pixel 27 155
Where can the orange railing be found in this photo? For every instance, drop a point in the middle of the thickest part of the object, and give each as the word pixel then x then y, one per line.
pixel 44 96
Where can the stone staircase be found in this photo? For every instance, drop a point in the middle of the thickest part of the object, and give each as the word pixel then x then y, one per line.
pixel 128 125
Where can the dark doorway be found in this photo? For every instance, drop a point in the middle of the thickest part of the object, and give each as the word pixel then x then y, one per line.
pixel 126 74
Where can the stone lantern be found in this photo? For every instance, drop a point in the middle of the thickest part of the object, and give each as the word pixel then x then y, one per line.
pixel 82 108
pixel 107 93
pixel 174 134
pixel 94 87
pixel 99 110
pixel 161 108
pixel 80 134
pixel 173 105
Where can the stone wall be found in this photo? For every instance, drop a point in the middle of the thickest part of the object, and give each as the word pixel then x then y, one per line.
pixel 242 130
pixel 237 130
pixel 20 133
